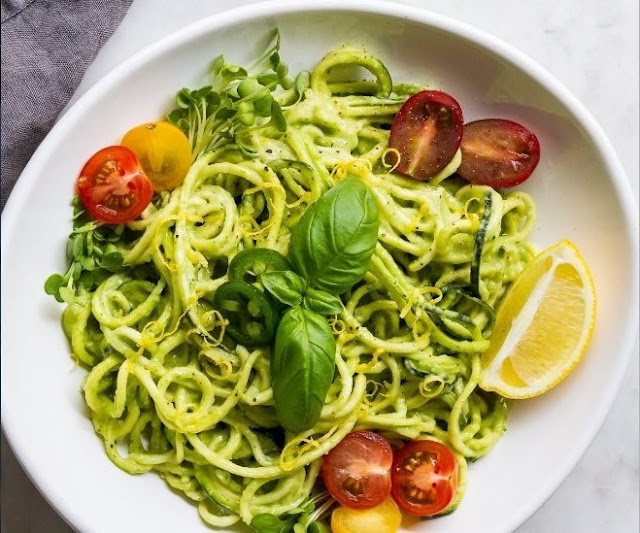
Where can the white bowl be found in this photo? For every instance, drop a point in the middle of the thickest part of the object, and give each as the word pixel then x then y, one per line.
pixel 580 191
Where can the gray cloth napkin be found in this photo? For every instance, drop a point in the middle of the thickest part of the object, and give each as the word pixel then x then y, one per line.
pixel 46 47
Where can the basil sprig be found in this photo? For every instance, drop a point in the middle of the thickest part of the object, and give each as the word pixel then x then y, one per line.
pixel 330 251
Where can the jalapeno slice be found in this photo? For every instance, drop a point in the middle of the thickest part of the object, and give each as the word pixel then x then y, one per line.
pixel 249 264
pixel 252 318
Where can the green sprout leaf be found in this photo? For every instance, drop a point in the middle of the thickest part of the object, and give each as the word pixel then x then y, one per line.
pixel 53 284
pixel 302 82
pixel 112 262
pixel 318 527
pixel 274 60
pixel 262 105
pixel 269 523
pixel 216 65
pixel 277 118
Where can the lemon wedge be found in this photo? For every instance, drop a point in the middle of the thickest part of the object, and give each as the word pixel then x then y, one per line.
pixel 543 326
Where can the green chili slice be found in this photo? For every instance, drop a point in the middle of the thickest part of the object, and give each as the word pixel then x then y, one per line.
pixel 252 318
pixel 249 264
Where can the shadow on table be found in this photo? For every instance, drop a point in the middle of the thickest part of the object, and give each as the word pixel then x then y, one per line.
pixel 24 510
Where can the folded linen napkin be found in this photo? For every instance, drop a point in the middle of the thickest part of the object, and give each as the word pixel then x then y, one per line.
pixel 46 47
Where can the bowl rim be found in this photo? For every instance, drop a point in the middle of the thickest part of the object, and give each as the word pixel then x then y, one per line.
pixel 215 22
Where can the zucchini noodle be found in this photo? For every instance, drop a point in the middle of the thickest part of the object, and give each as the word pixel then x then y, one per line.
pixel 168 392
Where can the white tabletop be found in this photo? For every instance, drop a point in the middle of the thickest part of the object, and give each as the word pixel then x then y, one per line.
pixel 589 45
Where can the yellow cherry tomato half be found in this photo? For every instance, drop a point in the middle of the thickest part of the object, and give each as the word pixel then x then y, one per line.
pixel 164 153
pixel 384 518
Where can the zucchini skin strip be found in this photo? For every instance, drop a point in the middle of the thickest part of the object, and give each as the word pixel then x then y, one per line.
pixel 478 245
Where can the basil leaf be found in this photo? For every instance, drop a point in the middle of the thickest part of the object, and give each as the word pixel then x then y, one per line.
pixel 286 286
pixel 302 367
pixel 269 523
pixel 332 245
pixel 322 302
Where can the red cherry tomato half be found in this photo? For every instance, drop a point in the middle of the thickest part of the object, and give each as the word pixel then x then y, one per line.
pixel 113 187
pixel 498 152
pixel 426 132
pixel 424 477
pixel 357 472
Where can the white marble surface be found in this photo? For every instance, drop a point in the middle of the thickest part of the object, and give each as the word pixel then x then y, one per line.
pixel 589 45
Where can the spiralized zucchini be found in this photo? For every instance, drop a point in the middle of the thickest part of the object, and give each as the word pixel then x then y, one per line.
pixel 168 392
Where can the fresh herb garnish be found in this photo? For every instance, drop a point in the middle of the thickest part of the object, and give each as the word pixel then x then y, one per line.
pixel 238 102
pixel 287 287
pixel 92 254
pixel 270 523
pixel 330 251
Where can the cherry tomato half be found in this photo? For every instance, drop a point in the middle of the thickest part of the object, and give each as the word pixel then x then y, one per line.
pixel 112 186
pixel 424 477
pixel 498 152
pixel 384 518
pixel 164 153
pixel 427 132
pixel 357 472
